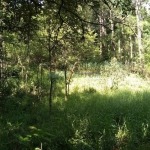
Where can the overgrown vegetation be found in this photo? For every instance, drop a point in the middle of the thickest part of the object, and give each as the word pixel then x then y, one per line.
pixel 92 118
pixel 74 75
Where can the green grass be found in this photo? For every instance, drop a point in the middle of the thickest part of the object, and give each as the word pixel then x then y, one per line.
pixel 92 119
pixel 88 120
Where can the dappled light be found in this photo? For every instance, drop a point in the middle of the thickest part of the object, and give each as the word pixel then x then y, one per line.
pixel 88 120
pixel 74 75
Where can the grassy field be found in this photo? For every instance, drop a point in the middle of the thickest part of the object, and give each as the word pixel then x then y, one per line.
pixel 100 114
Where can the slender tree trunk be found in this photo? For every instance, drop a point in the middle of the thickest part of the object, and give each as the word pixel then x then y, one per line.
pixel 1 67
pixel 50 70
pixel 66 85
pixel 51 86
pixel 41 80
pixel 102 34
pixel 139 28
pixel 51 95
pixel 38 82
pixel 26 77
pixel 68 80
pixel 119 51
pixel 131 50
pixel 112 46
pixel 1 59
pixel 123 44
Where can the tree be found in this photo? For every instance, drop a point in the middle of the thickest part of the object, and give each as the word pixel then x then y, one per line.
pixel 58 34
pixel 139 27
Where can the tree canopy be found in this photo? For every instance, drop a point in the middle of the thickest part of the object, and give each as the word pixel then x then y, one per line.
pixel 47 46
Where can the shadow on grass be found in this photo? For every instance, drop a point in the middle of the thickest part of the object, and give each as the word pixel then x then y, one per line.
pixel 88 120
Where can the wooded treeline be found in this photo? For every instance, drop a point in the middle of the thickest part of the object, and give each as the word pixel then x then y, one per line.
pixel 40 37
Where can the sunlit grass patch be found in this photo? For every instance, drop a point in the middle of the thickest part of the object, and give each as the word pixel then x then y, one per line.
pixel 104 84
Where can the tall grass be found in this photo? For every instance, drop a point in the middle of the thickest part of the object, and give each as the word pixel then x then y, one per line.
pixel 88 120
pixel 97 116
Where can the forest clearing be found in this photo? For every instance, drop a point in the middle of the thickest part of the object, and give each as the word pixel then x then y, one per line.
pixel 95 117
pixel 74 75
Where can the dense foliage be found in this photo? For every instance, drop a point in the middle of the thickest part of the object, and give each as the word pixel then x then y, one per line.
pixel 47 48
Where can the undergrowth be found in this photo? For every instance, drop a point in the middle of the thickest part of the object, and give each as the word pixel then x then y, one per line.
pixel 88 120
pixel 106 112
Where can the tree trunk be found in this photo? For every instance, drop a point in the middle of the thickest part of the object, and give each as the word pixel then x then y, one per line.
pixel 131 50
pixel 1 67
pixel 66 85
pixel 50 89
pixel 50 95
pixel 50 70
pixel 1 60
pixel 102 34
pixel 119 51
pixel 112 46
pixel 123 45
pixel 139 28
pixel 41 80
